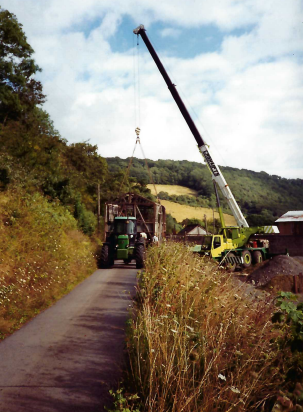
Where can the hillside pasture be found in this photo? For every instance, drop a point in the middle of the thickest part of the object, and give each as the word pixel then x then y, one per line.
pixel 181 212
pixel 173 190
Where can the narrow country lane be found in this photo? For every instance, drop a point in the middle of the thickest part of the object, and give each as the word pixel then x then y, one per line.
pixel 69 356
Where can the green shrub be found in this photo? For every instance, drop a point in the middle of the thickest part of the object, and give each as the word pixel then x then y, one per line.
pixel 87 221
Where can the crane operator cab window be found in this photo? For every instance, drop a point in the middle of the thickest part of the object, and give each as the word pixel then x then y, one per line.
pixel 217 242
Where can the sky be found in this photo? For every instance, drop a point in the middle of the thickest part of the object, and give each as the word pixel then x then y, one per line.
pixel 237 65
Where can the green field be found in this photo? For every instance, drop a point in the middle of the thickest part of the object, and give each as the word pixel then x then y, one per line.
pixel 181 212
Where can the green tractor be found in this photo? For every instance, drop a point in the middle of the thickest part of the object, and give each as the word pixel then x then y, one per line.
pixel 123 243
pixel 130 224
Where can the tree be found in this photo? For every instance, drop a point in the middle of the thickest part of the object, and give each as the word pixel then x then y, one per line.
pixel 19 92
pixel 172 226
pixel 261 219
pixel 86 168
pixel 192 221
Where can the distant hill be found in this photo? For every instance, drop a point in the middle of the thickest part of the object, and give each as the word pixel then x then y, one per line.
pixel 261 197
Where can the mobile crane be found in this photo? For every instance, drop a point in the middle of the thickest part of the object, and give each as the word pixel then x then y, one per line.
pixel 232 245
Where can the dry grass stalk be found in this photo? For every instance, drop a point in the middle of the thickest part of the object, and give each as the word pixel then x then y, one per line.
pixel 198 343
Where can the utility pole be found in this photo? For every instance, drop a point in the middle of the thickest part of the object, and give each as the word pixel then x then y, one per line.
pixel 205 220
pixel 99 207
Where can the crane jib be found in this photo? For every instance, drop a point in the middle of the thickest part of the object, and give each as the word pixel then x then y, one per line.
pixel 216 173
pixel 210 163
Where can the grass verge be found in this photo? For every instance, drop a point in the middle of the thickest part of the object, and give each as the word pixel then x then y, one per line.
pixel 42 256
pixel 200 341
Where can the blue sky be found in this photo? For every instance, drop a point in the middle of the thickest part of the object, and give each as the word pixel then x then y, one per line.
pixel 179 42
pixel 238 66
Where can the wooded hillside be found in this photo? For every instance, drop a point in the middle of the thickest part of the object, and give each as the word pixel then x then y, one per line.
pixel 261 196
pixel 33 155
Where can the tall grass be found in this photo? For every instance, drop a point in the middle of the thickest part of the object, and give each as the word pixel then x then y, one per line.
pixel 200 341
pixel 42 255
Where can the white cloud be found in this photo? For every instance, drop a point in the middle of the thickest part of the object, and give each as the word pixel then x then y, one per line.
pixel 53 15
pixel 260 117
pixel 170 32
pixel 248 94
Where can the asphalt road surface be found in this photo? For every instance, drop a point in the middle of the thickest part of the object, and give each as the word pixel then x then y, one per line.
pixel 69 356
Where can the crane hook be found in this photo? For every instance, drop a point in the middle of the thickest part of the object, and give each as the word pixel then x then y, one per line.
pixel 138 130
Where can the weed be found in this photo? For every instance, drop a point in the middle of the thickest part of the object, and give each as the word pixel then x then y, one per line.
pixel 289 320
pixel 290 317
pixel 123 402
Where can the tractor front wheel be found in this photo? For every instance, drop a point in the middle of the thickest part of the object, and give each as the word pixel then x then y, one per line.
pixel 139 256
pixel 104 260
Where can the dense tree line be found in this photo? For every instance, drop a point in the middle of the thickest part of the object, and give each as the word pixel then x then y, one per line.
pixel 33 155
pixel 262 197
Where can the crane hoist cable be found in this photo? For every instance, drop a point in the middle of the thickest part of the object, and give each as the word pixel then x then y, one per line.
pixel 136 72
pixel 136 82
pixel 126 174
pixel 148 169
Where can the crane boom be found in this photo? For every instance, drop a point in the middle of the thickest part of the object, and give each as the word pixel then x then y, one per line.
pixel 213 167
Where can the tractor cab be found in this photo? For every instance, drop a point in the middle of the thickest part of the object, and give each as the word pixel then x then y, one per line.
pixel 125 231
pixel 125 226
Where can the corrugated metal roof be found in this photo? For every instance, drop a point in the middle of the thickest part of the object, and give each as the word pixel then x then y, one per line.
pixel 292 216
pixel 189 228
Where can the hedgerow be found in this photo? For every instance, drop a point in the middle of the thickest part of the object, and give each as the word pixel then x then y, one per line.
pixel 42 255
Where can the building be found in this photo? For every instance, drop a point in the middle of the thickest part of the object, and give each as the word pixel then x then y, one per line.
pixel 192 230
pixel 291 223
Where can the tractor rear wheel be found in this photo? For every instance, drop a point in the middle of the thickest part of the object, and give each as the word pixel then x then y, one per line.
pixel 104 261
pixel 257 257
pixel 139 256
pixel 246 255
